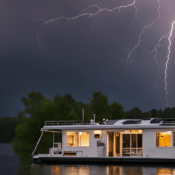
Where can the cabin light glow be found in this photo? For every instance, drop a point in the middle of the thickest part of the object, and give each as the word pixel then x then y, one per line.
pixel 76 139
pixel 97 134
pixel 84 139
pixel 133 131
pixel 163 139
pixel 127 131
pixel 72 139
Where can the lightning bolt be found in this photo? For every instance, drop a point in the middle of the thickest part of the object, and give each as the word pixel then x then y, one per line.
pixel 153 52
pixel 142 33
pixel 168 59
pixel 99 10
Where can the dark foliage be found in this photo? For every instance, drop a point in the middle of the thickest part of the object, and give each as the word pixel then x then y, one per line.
pixel 25 131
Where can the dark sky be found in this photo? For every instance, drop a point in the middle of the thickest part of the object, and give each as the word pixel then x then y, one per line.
pixel 86 54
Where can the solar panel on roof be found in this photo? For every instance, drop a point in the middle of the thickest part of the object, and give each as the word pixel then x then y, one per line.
pixel 132 122
pixel 156 120
pixel 111 122
pixel 168 121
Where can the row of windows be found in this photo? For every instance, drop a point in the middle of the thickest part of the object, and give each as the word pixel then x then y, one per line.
pixel 81 139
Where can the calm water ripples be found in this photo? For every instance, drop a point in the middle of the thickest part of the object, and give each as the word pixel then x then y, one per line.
pixel 21 164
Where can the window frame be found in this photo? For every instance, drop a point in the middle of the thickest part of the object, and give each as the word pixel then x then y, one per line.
pixel 138 150
pixel 171 141
pixel 74 138
pixel 79 144
pixel 100 134
pixel 78 138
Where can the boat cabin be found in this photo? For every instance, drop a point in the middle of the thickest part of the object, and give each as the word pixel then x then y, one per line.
pixel 128 138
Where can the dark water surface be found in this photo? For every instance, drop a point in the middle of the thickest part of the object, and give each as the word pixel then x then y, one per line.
pixel 11 164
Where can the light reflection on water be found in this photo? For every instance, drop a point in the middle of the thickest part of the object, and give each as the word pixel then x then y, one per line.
pixel 21 164
pixel 99 169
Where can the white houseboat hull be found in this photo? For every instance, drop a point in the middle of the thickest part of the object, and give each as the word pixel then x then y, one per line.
pixel 108 160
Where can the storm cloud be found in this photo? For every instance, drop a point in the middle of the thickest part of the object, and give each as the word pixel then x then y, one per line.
pixel 85 54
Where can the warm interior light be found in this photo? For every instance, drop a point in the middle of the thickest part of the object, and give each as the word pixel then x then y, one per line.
pixel 84 139
pixel 75 139
pixel 72 139
pixel 127 131
pixel 163 139
pixel 133 130
pixel 97 134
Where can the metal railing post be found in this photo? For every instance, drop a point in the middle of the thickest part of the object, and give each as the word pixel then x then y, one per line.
pixel 53 139
pixel 37 143
pixel 72 122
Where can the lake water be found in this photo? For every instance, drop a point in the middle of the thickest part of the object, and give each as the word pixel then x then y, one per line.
pixel 21 164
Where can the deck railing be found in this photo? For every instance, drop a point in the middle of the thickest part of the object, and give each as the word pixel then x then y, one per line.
pixel 168 122
pixel 80 122
pixel 69 122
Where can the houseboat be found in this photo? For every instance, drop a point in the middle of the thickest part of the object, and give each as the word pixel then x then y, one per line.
pixel 115 141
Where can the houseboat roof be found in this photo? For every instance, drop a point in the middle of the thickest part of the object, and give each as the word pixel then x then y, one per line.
pixel 153 123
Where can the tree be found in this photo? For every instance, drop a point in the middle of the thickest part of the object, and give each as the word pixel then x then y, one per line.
pixel 7 128
pixel 63 109
pixel 100 106
pixel 41 110
pixel 172 112
pixel 134 113
pixel 117 111
pixel 21 115
pixel 146 115
pixel 32 102
pixel 153 113
pixel 166 113
pixel 159 113
pixel 70 99
pixel 78 106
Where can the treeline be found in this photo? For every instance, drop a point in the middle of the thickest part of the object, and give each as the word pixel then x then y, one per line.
pixel 7 127
pixel 40 109
pixel 138 114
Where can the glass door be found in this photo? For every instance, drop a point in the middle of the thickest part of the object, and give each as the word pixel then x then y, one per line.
pixel 126 145
pixel 117 141
pixel 131 143
pixel 110 144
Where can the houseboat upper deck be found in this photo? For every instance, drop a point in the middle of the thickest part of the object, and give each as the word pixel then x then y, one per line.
pixel 114 141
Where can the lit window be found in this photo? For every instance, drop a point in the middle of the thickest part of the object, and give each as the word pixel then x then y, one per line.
pixel 72 139
pixel 137 131
pixel 97 134
pixel 76 139
pixel 84 139
pixel 140 131
pixel 133 131
pixel 163 139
